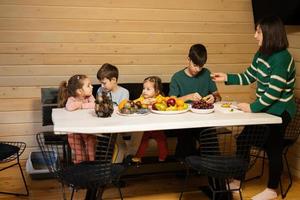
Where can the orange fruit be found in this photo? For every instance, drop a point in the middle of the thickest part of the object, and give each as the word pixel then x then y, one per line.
pixel 179 102
pixel 180 108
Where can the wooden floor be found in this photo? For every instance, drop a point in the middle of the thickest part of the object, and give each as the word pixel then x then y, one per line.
pixel 154 187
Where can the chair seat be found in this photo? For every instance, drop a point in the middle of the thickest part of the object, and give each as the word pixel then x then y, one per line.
pixel 7 150
pixel 86 175
pixel 227 166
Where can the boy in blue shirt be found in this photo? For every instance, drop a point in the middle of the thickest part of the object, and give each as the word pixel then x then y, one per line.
pixel 108 76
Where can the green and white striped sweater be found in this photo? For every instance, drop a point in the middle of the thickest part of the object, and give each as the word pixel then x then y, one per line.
pixel 275 76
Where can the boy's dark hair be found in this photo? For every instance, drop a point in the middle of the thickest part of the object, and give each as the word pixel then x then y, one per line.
pixel 157 84
pixel 274 35
pixel 198 54
pixel 108 71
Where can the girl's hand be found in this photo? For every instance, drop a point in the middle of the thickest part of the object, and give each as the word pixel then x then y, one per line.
pixel 244 107
pixel 219 77
pixel 149 101
pixel 209 98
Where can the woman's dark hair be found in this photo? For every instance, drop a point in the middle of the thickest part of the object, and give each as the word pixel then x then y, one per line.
pixel 274 35
pixel 198 54
pixel 68 89
pixel 157 84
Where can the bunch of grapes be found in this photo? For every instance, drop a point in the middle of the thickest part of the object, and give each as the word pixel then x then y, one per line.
pixel 201 104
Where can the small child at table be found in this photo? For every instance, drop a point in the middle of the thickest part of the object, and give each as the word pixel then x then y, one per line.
pixel 73 95
pixel 108 76
pixel 152 88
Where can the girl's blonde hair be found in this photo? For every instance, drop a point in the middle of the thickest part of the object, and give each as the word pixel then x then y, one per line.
pixel 68 89
pixel 157 84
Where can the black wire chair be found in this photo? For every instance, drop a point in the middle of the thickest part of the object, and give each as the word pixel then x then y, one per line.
pixel 91 175
pixel 226 156
pixel 10 152
pixel 292 133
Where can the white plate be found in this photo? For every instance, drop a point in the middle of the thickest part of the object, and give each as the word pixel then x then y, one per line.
pixel 133 114
pixel 202 111
pixel 169 112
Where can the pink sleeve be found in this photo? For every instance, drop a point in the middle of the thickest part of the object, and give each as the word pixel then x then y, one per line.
pixel 90 103
pixel 73 104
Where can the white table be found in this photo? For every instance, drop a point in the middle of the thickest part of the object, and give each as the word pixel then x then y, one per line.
pixel 86 121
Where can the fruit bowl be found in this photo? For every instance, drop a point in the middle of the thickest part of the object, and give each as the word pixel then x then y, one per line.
pixel 170 112
pixel 133 114
pixel 202 111
pixel 202 107
pixel 139 112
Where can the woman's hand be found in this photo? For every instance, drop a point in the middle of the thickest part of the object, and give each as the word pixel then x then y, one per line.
pixel 209 98
pixel 219 77
pixel 244 107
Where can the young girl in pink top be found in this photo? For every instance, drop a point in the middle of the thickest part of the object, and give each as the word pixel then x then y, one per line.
pixel 73 95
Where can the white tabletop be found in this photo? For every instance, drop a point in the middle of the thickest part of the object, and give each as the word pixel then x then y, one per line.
pixel 86 121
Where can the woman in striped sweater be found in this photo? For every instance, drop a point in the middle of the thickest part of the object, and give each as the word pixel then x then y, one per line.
pixel 274 71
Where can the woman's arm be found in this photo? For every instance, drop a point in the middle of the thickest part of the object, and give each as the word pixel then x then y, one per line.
pixel 246 78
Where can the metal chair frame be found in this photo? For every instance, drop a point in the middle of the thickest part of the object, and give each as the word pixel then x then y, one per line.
pixel 15 157
pixel 90 175
pixel 221 159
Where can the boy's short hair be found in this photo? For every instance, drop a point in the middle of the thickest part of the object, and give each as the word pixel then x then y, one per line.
pixel 198 54
pixel 108 71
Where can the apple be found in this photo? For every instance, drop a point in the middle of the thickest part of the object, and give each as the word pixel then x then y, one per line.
pixel 171 102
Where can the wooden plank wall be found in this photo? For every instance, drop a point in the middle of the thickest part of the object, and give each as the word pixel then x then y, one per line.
pixel 44 42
